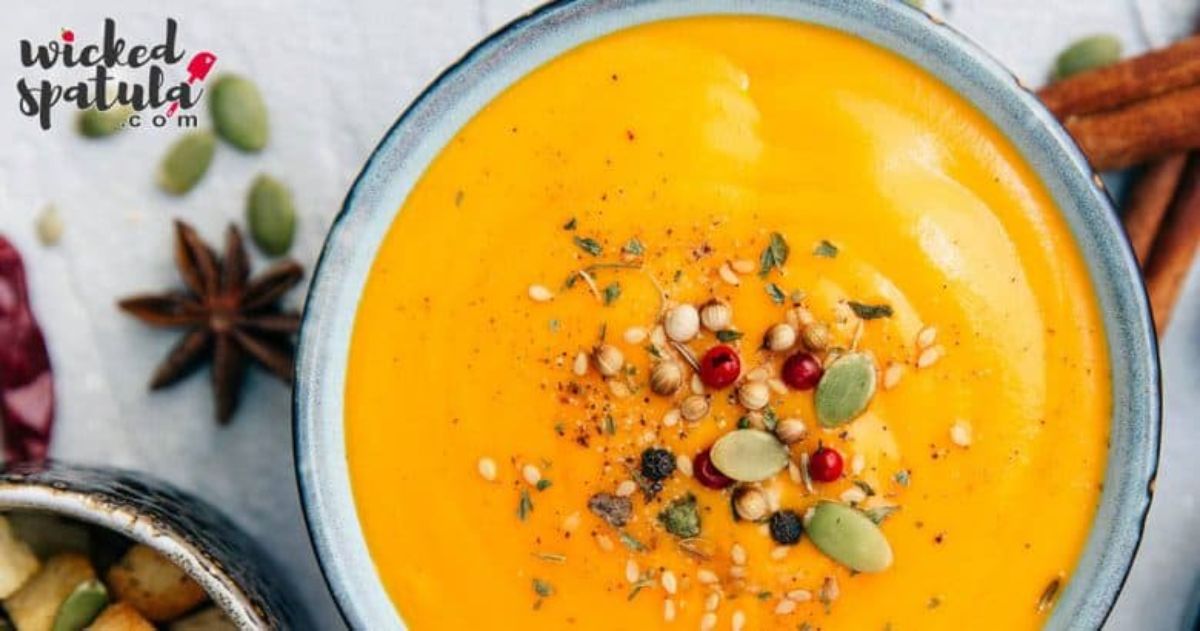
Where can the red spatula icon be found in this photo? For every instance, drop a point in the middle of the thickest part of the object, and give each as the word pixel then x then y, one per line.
pixel 198 68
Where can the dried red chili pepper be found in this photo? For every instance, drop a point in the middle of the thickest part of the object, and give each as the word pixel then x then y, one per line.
pixel 26 384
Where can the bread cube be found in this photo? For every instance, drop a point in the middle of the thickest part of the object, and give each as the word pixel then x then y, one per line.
pixel 211 619
pixel 120 617
pixel 17 561
pixel 155 586
pixel 35 606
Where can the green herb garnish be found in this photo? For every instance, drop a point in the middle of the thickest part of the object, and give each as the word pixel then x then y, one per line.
pixel 589 245
pixel 630 542
pixel 901 477
pixel 610 426
pixel 611 293
pixel 869 311
pixel 770 419
pixel 570 225
pixel 544 484
pixel 681 517
pixel 525 505
pixel 866 488
pixel 776 294
pixel 825 249
pixel 880 513
pixel 729 335
pixel 774 256
pixel 633 247
pixel 542 588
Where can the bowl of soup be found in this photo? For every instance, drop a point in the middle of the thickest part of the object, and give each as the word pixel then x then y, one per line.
pixel 771 314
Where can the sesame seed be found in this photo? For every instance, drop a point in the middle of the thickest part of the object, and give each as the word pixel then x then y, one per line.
pixel 708 577
pixel 532 474
pixel 738 621
pixel 743 266
pixel 737 571
pixel 631 571
pixel 671 418
pixel 777 386
pixel 785 607
pixel 669 610
pixel 708 622
pixel 604 542
pixel 929 356
pixel 571 522
pixel 668 582
pixel 683 462
pixel 799 595
pixel 779 553
pixel 581 364
pixel 635 335
pixel 853 495
pixel 697 384
pixel 626 488
pixel 738 554
pixel 926 337
pixel 794 473
pixel 727 275
pixel 892 375
pixel 961 433
pixel 487 469
pixel 539 293
pixel 858 463
pixel 658 336
pixel 712 601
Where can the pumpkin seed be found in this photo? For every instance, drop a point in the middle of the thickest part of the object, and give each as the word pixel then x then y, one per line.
pixel 95 123
pixel 186 162
pixel 80 608
pixel 849 537
pixel 846 389
pixel 271 215
pixel 749 455
pixel 1089 53
pixel 239 113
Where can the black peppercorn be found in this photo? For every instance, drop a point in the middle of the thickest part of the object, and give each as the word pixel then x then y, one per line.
pixel 657 464
pixel 786 527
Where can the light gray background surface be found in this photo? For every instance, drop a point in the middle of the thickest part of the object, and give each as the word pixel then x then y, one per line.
pixel 335 75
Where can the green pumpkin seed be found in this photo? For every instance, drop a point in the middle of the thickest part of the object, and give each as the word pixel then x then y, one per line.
pixel 271 215
pixel 846 389
pixel 186 162
pixel 849 537
pixel 239 113
pixel 1089 53
pixel 749 455
pixel 81 607
pixel 94 123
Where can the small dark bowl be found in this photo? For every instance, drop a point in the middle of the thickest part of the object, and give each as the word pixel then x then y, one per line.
pixel 238 576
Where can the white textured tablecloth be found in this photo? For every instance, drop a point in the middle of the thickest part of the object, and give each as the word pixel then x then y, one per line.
pixel 335 75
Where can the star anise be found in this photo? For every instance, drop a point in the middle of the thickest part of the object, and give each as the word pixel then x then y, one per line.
pixel 229 316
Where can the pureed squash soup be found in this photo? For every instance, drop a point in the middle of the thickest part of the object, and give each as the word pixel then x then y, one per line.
pixel 727 323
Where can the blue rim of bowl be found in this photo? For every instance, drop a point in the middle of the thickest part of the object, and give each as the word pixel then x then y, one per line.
pixel 1078 184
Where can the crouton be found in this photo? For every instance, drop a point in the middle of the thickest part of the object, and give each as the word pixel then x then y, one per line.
pixel 35 606
pixel 17 561
pixel 155 586
pixel 211 619
pixel 120 617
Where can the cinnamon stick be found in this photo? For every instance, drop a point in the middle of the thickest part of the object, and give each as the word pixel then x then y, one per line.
pixel 1145 76
pixel 1148 201
pixel 1175 247
pixel 1116 139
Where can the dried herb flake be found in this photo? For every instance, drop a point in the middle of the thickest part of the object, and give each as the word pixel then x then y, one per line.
pixel 729 335
pixel 776 294
pixel 774 255
pixel 589 245
pixel 869 311
pixel 825 249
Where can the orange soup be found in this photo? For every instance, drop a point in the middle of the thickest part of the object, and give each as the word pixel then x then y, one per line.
pixel 727 323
